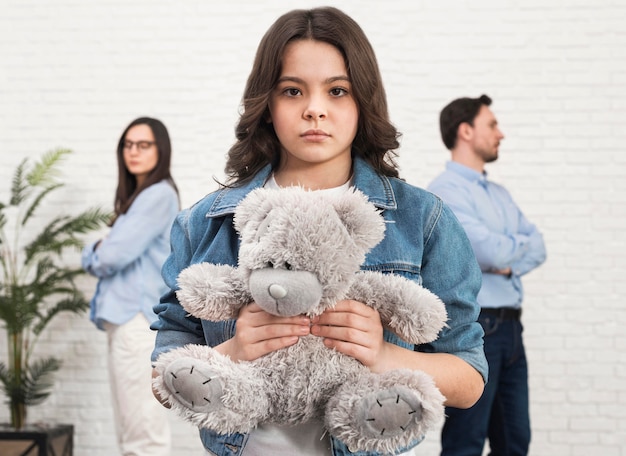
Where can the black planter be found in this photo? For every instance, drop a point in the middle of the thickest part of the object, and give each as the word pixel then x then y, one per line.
pixel 37 440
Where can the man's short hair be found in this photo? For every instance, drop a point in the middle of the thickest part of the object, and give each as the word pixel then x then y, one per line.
pixel 457 112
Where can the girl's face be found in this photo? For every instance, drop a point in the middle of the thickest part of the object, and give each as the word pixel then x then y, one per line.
pixel 140 152
pixel 315 116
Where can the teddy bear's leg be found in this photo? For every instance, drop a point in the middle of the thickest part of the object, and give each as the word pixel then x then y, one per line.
pixel 210 390
pixel 384 412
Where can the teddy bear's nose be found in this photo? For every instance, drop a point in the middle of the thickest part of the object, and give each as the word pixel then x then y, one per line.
pixel 277 291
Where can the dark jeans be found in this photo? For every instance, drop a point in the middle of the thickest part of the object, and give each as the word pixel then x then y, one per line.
pixel 501 414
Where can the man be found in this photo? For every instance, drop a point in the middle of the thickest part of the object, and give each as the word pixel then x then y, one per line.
pixel 506 246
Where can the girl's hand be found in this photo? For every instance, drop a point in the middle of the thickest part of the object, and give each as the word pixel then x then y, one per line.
pixel 259 333
pixel 354 329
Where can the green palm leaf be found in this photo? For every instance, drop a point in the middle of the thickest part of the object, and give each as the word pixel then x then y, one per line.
pixel 19 185
pixel 74 303
pixel 33 207
pixel 36 284
pixel 45 171
pixel 62 232
pixel 38 380
pixel 31 386
pixel 3 219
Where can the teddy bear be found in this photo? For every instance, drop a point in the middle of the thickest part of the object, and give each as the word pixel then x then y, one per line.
pixel 300 253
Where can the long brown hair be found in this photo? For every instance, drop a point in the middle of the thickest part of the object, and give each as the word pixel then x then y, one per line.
pixel 257 144
pixel 127 189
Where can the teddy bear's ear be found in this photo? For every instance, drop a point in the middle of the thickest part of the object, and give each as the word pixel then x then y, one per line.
pixel 361 218
pixel 253 209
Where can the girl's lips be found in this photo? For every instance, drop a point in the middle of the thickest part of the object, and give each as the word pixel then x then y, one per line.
pixel 315 135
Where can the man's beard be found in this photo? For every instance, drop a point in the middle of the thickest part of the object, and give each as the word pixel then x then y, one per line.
pixel 488 156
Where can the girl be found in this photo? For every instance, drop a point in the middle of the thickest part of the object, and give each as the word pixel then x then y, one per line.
pixel 315 115
pixel 128 264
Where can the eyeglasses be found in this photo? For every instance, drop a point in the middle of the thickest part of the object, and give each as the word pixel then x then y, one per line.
pixel 141 145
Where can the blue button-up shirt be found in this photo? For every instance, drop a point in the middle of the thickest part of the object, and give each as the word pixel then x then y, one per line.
pixel 128 261
pixel 500 234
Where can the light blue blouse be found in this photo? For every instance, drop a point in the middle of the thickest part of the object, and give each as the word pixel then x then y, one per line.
pixel 128 261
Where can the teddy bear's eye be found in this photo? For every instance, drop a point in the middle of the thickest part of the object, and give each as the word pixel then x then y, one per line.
pixel 288 266
pixel 269 264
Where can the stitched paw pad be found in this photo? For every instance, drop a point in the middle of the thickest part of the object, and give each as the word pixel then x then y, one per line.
pixel 194 385
pixel 389 412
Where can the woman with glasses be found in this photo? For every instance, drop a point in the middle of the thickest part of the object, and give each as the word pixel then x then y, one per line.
pixel 128 264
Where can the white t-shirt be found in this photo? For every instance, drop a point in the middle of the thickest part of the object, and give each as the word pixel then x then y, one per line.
pixel 310 438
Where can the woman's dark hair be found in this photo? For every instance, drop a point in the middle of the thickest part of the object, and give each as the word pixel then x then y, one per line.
pixel 257 144
pixel 461 110
pixel 127 189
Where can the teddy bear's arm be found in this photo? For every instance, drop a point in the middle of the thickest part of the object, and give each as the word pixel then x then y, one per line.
pixel 408 309
pixel 212 292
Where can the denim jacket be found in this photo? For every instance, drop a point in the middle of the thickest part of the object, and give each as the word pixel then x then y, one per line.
pixel 423 242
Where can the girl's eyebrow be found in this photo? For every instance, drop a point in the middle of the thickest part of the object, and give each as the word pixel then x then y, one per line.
pixel 301 81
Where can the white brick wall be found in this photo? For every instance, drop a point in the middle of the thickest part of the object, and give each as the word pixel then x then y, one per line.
pixel 74 73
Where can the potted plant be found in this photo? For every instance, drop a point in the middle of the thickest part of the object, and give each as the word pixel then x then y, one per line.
pixel 35 284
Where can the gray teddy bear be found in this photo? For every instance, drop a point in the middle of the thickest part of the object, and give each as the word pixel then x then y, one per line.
pixel 301 252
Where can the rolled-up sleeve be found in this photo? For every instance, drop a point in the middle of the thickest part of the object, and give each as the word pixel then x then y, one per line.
pixel 450 270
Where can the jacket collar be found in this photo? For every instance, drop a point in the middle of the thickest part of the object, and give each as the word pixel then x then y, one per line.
pixel 377 187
